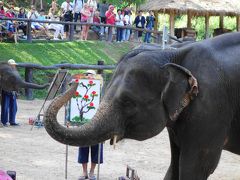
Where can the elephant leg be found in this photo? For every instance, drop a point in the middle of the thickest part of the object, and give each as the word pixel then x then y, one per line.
pixel 198 164
pixel 173 170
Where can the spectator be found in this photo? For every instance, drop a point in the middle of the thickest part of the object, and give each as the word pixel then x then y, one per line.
pixel 9 104
pixel 2 23
pixel 42 17
pixel 11 12
pixel 2 11
pixel 110 18
pixel 97 20
pixel 21 24
pixel 86 13
pixel 103 7
pixel 127 10
pixel 11 26
pixel 92 4
pixel 127 22
pixel 77 7
pixel 149 25
pixel 67 16
pixel 119 22
pixel 33 14
pixel 59 28
pixel 54 6
pixel 140 23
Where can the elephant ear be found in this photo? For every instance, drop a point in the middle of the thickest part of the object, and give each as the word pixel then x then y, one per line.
pixel 180 89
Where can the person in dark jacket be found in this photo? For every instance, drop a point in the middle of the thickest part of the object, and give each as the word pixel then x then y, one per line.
pixel 21 24
pixel 140 23
pixel 149 26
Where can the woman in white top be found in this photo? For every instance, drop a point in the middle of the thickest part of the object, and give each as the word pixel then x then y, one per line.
pixel 119 22
pixel 92 4
pixel 127 22
pixel 59 28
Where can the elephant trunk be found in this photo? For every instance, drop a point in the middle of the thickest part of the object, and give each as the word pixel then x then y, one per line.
pixel 96 131
pixel 23 84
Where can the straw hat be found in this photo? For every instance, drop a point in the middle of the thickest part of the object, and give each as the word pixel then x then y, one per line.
pixel 11 62
pixel 90 72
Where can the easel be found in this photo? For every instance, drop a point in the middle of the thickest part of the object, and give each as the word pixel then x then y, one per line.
pixel 56 84
pixel 67 118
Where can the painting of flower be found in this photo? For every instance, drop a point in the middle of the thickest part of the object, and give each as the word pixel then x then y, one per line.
pixel 85 100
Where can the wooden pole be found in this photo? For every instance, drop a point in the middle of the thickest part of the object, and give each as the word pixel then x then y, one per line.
pixel 29 78
pixel 238 23
pixel 41 3
pixel 189 20
pixel 29 32
pixel 71 35
pixel 171 20
pixel 206 26
pixel 156 20
pixel 221 21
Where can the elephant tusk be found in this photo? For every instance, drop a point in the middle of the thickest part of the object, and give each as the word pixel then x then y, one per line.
pixel 114 141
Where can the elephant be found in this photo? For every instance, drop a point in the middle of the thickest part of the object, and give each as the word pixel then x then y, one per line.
pixel 10 80
pixel 193 91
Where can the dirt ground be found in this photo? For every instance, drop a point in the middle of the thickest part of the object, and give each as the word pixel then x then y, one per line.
pixel 34 155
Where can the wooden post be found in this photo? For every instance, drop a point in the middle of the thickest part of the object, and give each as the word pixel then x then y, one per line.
pixel 238 22
pixel 29 32
pixel 189 20
pixel 100 62
pixel 221 21
pixel 156 20
pixel 136 35
pixel 71 35
pixel 28 78
pixel 207 26
pixel 159 38
pixel 171 20
pixel 110 34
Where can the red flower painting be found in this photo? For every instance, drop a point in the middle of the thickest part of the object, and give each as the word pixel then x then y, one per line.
pixel 85 102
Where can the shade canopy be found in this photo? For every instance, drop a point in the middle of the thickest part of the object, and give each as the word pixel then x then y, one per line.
pixel 195 7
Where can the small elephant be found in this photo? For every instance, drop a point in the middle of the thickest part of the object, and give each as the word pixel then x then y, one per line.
pixel 192 90
pixel 10 80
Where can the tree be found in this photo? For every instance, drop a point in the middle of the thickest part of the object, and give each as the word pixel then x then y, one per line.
pixel 121 3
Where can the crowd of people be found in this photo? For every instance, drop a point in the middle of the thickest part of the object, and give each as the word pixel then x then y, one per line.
pixel 80 11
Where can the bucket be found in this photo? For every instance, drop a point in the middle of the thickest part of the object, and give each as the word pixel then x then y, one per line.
pixel 31 121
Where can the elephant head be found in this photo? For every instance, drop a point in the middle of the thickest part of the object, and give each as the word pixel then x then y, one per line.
pixel 145 93
pixel 10 80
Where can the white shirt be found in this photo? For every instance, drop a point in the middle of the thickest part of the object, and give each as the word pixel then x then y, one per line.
pixel 77 5
pixel 32 16
pixel 65 5
pixel 92 4
pixel 119 20
pixel 128 20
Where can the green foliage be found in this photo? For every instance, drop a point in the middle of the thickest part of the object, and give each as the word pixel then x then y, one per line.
pixel 77 121
pixel 124 3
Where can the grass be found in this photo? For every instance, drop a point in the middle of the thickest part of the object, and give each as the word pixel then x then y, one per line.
pixel 49 53
pixel 43 53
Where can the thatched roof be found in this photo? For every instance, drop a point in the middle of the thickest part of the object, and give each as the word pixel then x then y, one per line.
pixel 196 7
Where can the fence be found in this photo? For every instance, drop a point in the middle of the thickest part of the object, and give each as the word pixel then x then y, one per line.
pixel 29 67
pixel 157 34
